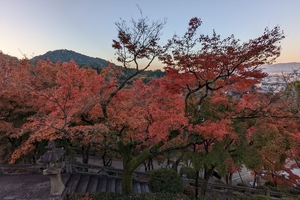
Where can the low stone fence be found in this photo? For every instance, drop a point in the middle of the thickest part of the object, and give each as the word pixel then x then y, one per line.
pixel 21 169
pixel 240 189
pixel 69 167
pixel 76 167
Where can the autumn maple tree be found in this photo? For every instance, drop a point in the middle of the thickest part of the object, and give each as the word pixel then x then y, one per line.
pixel 138 126
pixel 267 126
pixel 277 136
pixel 272 131
pixel 79 104
pixel 143 127
pixel 201 66
pixel 67 99
pixel 197 96
pixel 204 66
pixel 15 103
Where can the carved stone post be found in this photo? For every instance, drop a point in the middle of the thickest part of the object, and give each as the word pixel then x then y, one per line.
pixel 54 163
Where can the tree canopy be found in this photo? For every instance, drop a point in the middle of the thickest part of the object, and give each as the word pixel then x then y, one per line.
pixel 207 101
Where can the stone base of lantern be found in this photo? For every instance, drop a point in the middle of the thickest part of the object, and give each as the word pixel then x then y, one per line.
pixel 57 186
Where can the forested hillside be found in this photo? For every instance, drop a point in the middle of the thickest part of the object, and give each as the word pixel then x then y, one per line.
pixel 65 55
pixel 84 61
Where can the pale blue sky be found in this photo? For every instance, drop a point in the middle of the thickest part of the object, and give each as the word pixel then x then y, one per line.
pixel 87 26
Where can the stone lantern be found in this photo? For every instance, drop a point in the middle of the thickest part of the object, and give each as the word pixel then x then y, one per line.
pixel 54 164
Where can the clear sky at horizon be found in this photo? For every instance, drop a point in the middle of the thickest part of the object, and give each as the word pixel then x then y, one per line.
pixel 35 27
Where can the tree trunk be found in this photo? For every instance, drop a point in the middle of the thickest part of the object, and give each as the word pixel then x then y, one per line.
pixel 104 158
pixel 294 157
pixel 176 163
pixel 196 184
pixel 228 178
pixel 274 178
pixel 85 153
pixel 108 163
pixel 241 177
pixel 127 182
pixel 130 164
pixel 151 167
pixel 148 165
pixel 207 175
pixel 254 181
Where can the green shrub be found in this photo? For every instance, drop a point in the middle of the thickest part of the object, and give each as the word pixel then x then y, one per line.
pixel 261 187
pixel 278 189
pixel 117 196
pixel 189 191
pixel 261 197
pixel 200 179
pixel 162 196
pixel 288 198
pixel 242 185
pixel 210 196
pixel 240 197
pixel 102 196
pixel 165 181
pixel 269 183
pixel 219 181
pixel 188 171
pixel 294 191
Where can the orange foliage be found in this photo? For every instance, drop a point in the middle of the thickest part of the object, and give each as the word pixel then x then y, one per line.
pixel 76 103
pixel 147 111
pixel 64 93
pixel 14 98
pixel 215 130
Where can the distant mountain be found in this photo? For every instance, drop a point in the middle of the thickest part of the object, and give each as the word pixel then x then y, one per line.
pixel 65 55
pixel 281 67
pixel 98 64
